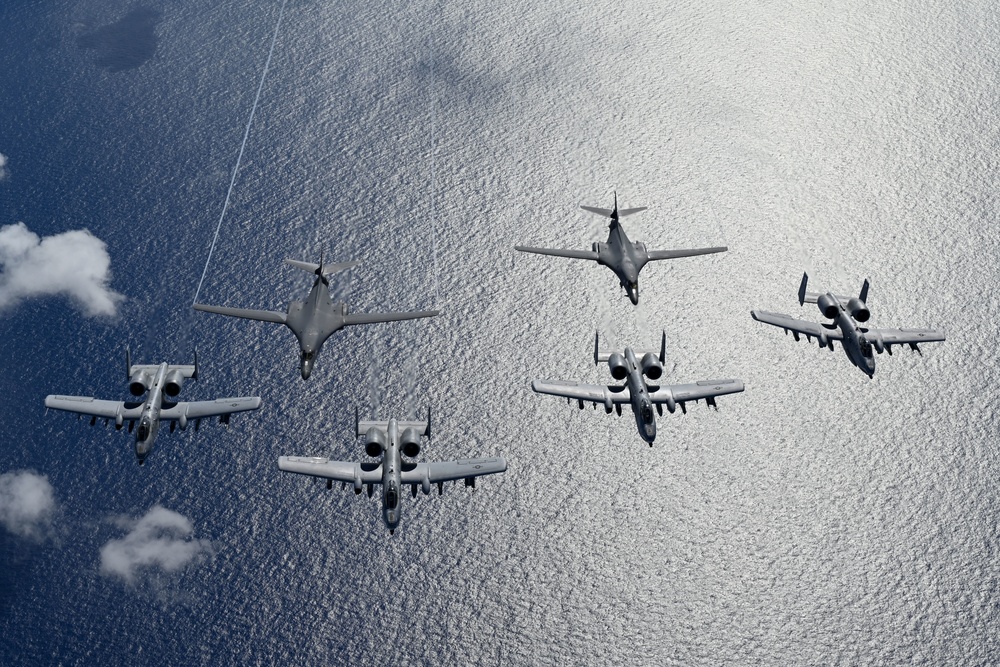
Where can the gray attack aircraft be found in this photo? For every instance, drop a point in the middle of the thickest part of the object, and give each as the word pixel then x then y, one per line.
pixel 623 256
pixel 847 313
pixel 634 367
pixel 161 384
pixel 389 442
pixel 317 318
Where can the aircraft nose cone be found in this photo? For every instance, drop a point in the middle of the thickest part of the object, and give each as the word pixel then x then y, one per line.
pixel 306 370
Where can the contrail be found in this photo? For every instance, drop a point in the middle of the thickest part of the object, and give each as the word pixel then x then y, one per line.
pixel 433 183
pixel 232 182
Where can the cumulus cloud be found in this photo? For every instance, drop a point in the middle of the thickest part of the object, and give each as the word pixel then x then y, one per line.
pixel 162 539
pixel 27 504
pixel 75 264
pixel 3 167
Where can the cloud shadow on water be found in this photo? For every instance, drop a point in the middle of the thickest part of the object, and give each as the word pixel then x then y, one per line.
pixel 125 44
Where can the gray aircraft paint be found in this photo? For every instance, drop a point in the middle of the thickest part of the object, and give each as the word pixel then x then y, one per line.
pixel 620 254
pixel 858 341
pixel 317 318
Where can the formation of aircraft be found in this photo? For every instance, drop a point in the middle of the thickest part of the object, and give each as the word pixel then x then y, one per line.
pixel 314 320
pixel 623 256
pixel 634 367
pixel 848 315
pixel 160 383
pixel 394 444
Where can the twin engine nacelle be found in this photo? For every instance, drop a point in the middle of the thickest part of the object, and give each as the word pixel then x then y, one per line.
pixel 409 442
pixel 651 366
pixel 858 309
pixel 139 383
pixel 172 383
pixel 618 366
pixel 375 442
pixel 828 305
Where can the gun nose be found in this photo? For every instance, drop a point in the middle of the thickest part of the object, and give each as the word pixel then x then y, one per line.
pixel 306 370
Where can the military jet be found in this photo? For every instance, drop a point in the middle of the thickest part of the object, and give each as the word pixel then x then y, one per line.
pixel 391 441
pixel 317 318
pixel 846 312
pixel 619 253
pixel 633 366
pixel 162 383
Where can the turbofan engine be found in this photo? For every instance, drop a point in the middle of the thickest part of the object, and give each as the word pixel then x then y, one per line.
pixel 172 383
pixel 651 366
pixel 619 369
pixel 139 383
pixel 828 305
pixel 858 309
pixel 409 442
pixel 375 442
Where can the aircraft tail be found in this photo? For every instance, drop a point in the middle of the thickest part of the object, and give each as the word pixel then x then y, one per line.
pixel 614 213
pixel 864 292
pixel 804 296
pixel 601 356
pixel 321 268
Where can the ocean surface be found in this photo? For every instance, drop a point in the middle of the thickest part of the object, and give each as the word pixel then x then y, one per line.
pixel 819 518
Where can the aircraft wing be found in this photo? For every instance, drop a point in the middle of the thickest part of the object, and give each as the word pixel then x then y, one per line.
pixel 261 315
pixel 93 407
pixel 217 408
pixel 654 255
pixel 572 254
pixel 447 471
pixel 583 392
pixel 372 318
pixel 796 326
pixel 342 471
pixel 903 336
pixel 704 389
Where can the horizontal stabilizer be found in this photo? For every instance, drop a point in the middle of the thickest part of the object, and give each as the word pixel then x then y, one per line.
pixel 599 211
pixel 328 269
pixel 261 315
pixel 571 254
pixel 422 427
pixel 629 211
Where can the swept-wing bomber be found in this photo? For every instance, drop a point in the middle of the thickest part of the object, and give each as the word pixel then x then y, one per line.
pixel 161 384
pixel 317 318
pixel 847 313
pixel 389 442
pixel 623 256
pixel 634 366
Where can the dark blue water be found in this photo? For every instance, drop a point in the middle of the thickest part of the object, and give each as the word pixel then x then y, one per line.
pixel 819 518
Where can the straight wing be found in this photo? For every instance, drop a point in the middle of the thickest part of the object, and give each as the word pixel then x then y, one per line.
pixel 93 407
pixel 342 471
pixel 447 471
pixel 572 254
pixel 372 318
pixel 216 408
pixel 903 336
pixel 261 315
pixel 654 255
pixel 607 395
pixel 705 389
pixel 810 329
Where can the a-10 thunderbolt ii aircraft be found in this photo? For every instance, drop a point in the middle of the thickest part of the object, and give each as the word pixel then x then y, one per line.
pixel 391 441
pixel 846 313
pixel 634 366
pixel 619 253
pixel 162 383
pixel 317 318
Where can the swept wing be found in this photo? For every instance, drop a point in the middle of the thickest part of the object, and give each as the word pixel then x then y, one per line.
pixel 572 254
pixel 261 315
pixel 372 318
pixel 654 255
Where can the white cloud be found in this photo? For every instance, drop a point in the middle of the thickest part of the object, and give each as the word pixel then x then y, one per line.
pixel 75 264
pixel 161 539
pixel 27 504
pixel 3 167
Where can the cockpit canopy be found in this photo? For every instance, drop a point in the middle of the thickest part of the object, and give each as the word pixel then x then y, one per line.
pixel 866 347
pixel 308 356
pixel 647 412
pixel 391 499
pixel 143 433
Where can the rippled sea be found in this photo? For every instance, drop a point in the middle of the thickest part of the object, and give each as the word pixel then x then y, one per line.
pixel 819 518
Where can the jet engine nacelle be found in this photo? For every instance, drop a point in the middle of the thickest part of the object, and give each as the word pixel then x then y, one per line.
pixel 858 309
pixel 375 442
pixel 409 442
pixel 139 383
pixel 651 366
pixel 828 305
pixel 172 383
pixel 618 366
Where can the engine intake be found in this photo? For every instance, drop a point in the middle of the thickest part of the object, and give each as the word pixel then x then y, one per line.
pixel 858 309
pixel 139 383
pixel 619 369
pixel 409 442
pixel 172 383
pixel 651 366
pixel 828 305
pixel 375 442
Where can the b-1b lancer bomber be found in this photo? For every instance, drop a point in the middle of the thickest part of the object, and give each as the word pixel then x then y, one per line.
pixel 633 366
pixel 391 441
pixel 162 383
pixel 314 320
pixel 619 253
pixel 846 313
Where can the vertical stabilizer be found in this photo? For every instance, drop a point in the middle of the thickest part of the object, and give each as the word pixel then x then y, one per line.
pixel 663 348
pixel 864 292
pixel 802 288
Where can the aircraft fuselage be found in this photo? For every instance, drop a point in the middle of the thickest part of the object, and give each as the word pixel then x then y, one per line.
pixel 623 257
pixel 149 419
pixel 391 467
pixel 856 346
pixel 312 322
pixel 642 406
